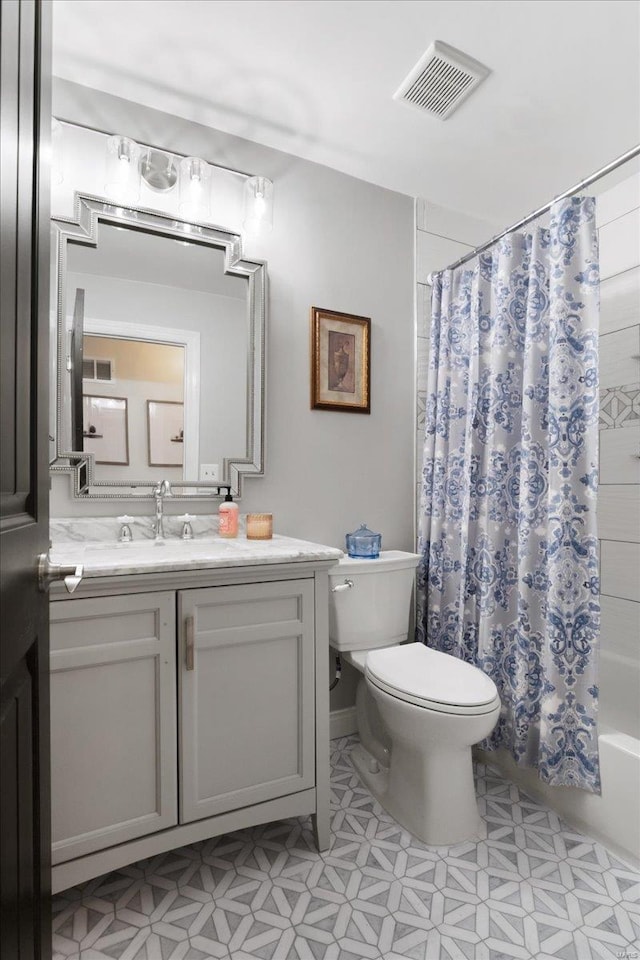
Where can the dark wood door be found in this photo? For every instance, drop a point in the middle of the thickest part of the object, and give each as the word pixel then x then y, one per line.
pixel 25 127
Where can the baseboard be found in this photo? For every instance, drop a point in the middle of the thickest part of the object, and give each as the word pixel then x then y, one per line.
pixel 342 723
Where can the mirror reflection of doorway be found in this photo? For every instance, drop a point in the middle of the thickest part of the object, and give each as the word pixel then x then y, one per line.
pixel 120 378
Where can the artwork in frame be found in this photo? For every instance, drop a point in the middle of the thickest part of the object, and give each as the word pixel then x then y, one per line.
pixel 165 432
pixel 105 429
pixel 340 361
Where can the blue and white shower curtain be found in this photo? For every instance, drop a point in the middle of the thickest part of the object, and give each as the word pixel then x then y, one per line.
pixel 508 578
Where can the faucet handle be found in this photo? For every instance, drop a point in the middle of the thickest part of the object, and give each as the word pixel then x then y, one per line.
pixel 125 530
pixel 187 531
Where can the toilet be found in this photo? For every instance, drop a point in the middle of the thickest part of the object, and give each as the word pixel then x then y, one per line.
pixel 418 710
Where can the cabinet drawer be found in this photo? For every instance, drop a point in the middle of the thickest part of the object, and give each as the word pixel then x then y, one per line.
pixel 113 720
pixel 247 704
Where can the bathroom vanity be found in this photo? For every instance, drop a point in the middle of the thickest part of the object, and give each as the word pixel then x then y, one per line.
pixel 189 696
pixel 189 678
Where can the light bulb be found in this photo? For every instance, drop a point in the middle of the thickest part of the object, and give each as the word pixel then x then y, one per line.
pixel 194 189
pixel 258 206
pixel 122 182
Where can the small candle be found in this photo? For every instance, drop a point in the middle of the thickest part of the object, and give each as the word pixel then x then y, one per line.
pixel 259 526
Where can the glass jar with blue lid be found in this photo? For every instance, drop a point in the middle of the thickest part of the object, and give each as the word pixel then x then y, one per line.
pixel 363 543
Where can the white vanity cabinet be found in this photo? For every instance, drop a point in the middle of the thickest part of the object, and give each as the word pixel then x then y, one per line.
pixel 185 705
pixel 113 721
pixel 246 695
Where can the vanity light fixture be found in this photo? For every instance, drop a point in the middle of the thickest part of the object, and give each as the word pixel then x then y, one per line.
pixel 258 206
pixel 194 189
pixel 129 165
pixel 122 181
pixel 158 169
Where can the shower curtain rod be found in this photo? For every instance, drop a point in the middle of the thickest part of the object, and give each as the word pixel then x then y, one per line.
pixel 629 155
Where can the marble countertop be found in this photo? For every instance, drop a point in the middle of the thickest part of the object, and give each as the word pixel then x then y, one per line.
pixel 104 558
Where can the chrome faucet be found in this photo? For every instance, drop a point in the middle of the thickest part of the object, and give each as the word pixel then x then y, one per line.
pixel 161 490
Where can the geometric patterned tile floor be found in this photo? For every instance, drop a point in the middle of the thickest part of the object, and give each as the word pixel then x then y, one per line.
pixel 533 890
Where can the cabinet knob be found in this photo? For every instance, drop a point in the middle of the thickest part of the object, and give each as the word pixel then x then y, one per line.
pixel 189 643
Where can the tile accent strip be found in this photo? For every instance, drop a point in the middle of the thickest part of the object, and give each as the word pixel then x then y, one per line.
pixel 620 406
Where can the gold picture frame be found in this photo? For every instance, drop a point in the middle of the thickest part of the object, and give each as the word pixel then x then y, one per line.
pixel 340 361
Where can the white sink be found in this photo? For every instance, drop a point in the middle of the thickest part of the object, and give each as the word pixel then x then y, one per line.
pixel 152 546
pixel 113 558
pixel 109 557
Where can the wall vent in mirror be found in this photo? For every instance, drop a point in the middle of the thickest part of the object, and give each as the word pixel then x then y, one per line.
pixel 93 369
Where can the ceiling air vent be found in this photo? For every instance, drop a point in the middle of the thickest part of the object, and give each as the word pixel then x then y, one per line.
pixel 441 80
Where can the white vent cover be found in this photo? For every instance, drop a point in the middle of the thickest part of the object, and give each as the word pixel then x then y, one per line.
pixel 441 80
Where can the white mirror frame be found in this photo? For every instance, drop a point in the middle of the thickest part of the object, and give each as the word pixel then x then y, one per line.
pixel 83 228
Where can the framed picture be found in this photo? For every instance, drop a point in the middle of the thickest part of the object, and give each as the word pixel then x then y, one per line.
pixel 165 430
pixel 340 361
pixel 105 429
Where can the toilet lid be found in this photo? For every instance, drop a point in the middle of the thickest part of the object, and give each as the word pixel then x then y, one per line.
pixel 418 674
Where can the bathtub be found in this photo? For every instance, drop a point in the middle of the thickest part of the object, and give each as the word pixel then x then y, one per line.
pixel 611 817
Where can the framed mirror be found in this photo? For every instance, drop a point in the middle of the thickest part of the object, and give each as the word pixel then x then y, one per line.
pixel 158 331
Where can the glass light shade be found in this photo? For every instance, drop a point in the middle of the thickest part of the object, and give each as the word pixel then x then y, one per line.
pixel 122 182
pixel 194 189
pixel 57 151
pixel 258 206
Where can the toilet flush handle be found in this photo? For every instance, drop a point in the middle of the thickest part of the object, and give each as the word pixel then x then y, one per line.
pixel 339 587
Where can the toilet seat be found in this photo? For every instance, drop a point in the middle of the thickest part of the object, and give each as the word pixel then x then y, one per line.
pixel 432 680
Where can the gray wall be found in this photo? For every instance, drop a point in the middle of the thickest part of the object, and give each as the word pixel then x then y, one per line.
pixel 338 243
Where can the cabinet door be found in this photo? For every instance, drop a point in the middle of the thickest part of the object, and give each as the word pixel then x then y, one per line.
pixel 113 721
pixel 246 695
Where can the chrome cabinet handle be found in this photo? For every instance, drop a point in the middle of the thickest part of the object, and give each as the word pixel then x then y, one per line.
pixel 339 587
pixel 49 572
pixel 189 644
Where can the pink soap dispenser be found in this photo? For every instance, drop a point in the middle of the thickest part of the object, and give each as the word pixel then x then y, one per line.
pixel 228 514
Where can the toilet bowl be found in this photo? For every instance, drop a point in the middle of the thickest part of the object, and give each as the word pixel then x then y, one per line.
pixel 418 710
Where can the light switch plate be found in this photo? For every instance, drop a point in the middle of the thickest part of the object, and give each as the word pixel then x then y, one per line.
pixel 210 472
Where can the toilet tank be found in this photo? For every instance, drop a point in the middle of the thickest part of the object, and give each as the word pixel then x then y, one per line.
pixel 376 610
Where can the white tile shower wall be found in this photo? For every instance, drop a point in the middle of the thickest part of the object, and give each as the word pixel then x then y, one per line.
pixel 619 492
pixel 620 244
pixel 619 460
pixel 619 299
pixel 619 351
pixel 620 627
pixel 620 570
pixel 619 512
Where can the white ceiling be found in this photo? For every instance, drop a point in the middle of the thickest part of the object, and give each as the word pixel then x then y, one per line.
pixel 316 78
